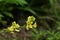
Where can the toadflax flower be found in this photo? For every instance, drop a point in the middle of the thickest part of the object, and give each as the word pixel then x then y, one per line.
pixel 30 22
pixel 14 27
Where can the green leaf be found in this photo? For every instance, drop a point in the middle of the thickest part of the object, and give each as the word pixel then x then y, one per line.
pixel 54 9
pixel 58 28
pixel 8 14
pixel 21 2
pixel 31 10
pixel 1 0
pixel 1 16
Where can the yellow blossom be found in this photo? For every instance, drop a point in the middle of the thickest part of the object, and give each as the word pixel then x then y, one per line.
pixel 11 28
pixel 12 32
pixel 17 30
pixel 27 27
pixel 35 25
pixel 29 22
pixel 14 27
pixel 30 26
pixel 30 19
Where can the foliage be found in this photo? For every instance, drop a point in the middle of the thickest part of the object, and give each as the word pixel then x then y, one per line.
pixel 5 8
pixel 44 22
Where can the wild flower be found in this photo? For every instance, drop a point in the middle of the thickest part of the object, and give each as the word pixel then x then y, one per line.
pixel 30 22
pixel 14 27
pixel 35 25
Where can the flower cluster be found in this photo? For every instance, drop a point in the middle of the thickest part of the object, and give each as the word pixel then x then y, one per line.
pixel 30 22
pixel 14 27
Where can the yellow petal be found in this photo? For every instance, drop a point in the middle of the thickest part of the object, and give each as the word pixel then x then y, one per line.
pixel 30 26
pixel 27 28
pixel 35 25
pixel 11 29
pixel 17 30
pixel 12 32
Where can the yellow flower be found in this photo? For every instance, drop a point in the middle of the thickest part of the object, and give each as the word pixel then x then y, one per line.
pixel 17 30
pixel 27 27
pixel 31 18
pixel 14 23
pixel 12 32
pixel 11 28
pixel 29 22
pixel 14 27
pixel 30 26
pixel 35 25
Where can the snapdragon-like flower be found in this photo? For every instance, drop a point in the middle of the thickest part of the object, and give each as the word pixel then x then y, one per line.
pixel 30 22
pixel 14 27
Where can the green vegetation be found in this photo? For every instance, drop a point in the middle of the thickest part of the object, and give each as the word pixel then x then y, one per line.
pixel 29 19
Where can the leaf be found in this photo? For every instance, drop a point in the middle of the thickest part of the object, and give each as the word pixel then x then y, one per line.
pixel 54 9
pixel 8 14
pixel 31 10
pixel 21 2
pixel 58 28
pixel 1 16
pixel 1 0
